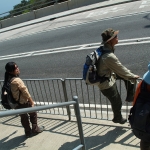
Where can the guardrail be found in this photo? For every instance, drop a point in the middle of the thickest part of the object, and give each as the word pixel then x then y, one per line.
pixel 92 102
pixel 38 108
pixel 57 6
pixel 48 91
pixel 28 8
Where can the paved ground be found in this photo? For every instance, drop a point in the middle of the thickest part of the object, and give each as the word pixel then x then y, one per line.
pixel 61 134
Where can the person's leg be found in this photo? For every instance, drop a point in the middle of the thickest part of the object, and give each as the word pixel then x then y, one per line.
pixel 144 145
pixel 130 87
pixel 35 128
pixel 33 119
pixel 25 120
pixel 25 123
pixel 114 97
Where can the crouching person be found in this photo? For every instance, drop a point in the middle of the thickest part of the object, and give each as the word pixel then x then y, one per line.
pixel 21 94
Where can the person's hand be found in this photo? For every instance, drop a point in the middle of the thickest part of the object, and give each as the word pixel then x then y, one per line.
pixel 134 79
pixel 32 104
pixel 136 76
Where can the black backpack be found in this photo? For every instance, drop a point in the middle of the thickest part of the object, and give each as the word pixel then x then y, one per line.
pixel 139 117
pixel 8 101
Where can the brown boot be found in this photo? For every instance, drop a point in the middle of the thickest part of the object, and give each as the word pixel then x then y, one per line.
pixel 39 130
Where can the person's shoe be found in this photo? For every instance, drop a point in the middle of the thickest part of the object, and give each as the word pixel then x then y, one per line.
pixel 121 121
pixel 40 129
pixel 130 98
pixel 28 135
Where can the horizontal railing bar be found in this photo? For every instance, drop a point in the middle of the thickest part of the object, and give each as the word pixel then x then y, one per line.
pixel 29 6
pixel 55 79
pixel 33 109
pixel 43 79
pixel 82 105
pixel 78 147
pixel 73 78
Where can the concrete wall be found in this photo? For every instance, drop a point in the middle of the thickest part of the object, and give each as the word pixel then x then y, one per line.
pixel 56 8
pixel 24 17
pixel 51 10
pixel 7 22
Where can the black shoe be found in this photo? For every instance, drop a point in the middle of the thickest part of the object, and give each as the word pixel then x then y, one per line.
pixel 129 98
pixel 40 129
pixel 121 121
pixel 28 135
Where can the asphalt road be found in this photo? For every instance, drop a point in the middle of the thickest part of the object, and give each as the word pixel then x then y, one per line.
pixel 80 30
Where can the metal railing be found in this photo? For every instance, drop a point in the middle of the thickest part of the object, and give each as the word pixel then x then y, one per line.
pixel 38 108
pixel 28 8
pixel 57 90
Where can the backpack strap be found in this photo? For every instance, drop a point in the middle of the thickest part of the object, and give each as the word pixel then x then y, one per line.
pixel 103 78
pixel 144 86
pixel 19 90
pixel 12 79
pixel 144 90
pixel 141 92
pixel 104 51
pixel 137 92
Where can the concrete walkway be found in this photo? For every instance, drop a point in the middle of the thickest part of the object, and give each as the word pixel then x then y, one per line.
pixel 61 134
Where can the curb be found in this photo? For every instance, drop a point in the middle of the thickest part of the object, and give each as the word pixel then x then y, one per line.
pixel 62 14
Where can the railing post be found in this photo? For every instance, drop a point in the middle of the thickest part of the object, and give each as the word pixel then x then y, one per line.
pixel 66 99
pixel 79 122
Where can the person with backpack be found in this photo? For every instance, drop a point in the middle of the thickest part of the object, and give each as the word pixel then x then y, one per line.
pixel 21 94
pixel 110 67
pixel 139 117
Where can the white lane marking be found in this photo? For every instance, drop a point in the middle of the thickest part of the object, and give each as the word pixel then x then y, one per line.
pixel 105 11
pixel 136 39
pixel 145 4
pixel 73 22
pixel 74 48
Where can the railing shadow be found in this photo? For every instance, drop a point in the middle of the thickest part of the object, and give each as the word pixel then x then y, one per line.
pixel 97 135
pixel 98 142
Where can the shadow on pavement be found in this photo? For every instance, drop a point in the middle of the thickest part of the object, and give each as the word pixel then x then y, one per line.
pixel 14 143
pixel 64 134
pixel 99 142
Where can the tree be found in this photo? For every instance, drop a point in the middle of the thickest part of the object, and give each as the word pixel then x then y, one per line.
pixel 29 5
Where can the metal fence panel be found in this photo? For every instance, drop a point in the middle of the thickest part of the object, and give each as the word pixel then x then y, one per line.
pixel 91 101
